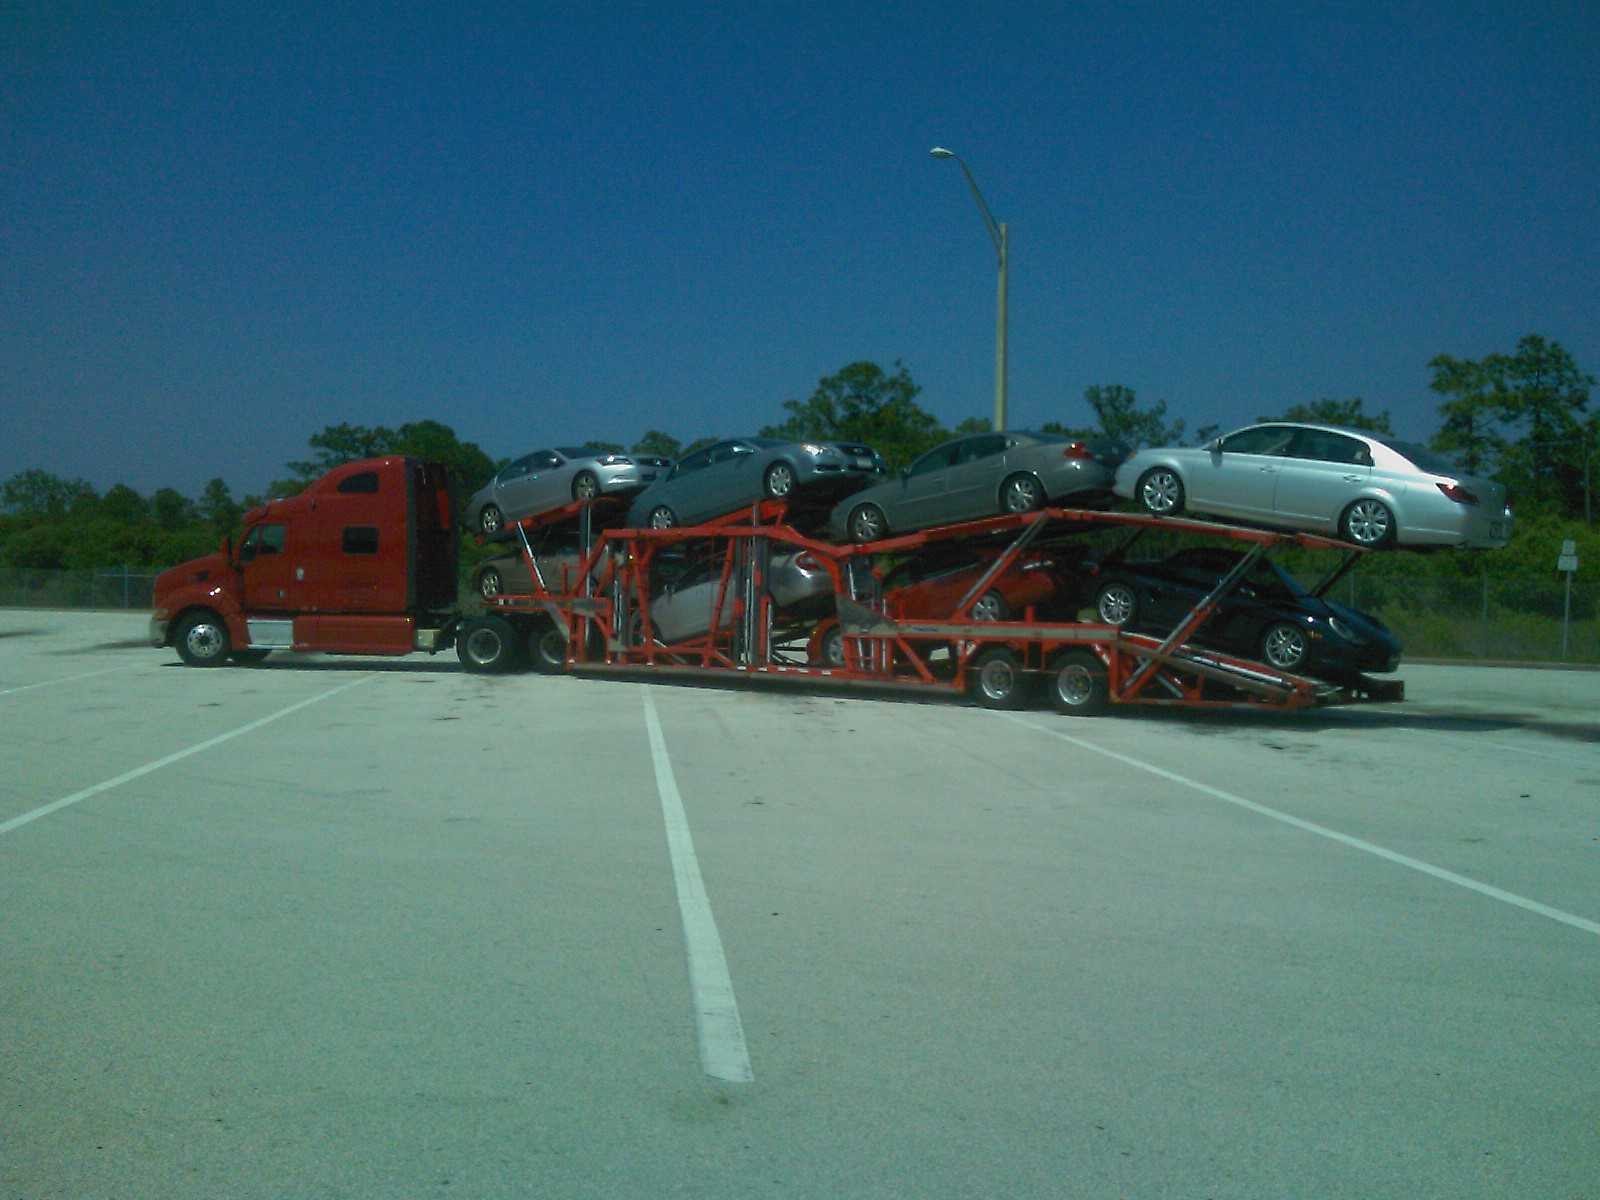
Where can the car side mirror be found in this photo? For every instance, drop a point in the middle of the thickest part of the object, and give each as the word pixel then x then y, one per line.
pixel 1214 445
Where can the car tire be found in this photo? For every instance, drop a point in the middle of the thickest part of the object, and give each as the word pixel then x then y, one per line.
pixel 991 606
pixel 248 658
pixel 202 640
pixel 487 645
pixel 831 652
pixel 491 520
pixel 1116 603
pixel 490 584
pixel 1285 646
pixel 1160 492
pixel 1079 685
pixel 779 481
pixel 867 523
pixel 662 517
pixel 1021 493
pixel 1367 523
pixel 547 648
pixel 995 679
pixel 585 485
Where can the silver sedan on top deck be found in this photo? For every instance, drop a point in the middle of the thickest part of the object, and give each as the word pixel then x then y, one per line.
pixel 1368 489
pixel 547 479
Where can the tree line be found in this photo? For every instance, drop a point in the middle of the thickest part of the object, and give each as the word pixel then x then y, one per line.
pixel 1521 417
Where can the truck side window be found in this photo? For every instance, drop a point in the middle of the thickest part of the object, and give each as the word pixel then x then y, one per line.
pixel 263 539
pixel 360 539
pixel 365 483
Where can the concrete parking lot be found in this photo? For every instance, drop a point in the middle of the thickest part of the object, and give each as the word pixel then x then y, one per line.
pixel 359 928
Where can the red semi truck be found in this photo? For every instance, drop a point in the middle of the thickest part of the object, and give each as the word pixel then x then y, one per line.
pixel 361 562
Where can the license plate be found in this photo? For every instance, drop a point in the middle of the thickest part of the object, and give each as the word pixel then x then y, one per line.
pixel 864 464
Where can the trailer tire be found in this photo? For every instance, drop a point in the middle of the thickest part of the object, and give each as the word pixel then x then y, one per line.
pixel 1079 685
pixel 487 645
pixel 547 648
pixel 202 639
pixel 832 649
pixel 997 680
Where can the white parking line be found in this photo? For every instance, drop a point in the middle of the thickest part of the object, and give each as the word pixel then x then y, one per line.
pixel 1494 893
pixel 128 777
pixel 28 687
pixel 723 1054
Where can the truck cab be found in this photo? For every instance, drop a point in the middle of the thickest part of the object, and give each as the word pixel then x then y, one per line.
pixel 361 562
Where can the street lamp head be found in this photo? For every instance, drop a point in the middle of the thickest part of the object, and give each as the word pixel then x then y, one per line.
pixel 941 152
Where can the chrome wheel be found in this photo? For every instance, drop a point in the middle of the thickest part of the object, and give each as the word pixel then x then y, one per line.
pixel 1020 494
pixel 1161 492
pixel 1284 647
pixel 548 648
pixel 1368 523
pixel 203 640
pixel 662 517
pixel 996 679
pixel 489 583
pixel 585 486
pixel 1079 685
pixel 867 523
pixel 991 606
pixel 1116 603
pixel 779 480
pixel 490 519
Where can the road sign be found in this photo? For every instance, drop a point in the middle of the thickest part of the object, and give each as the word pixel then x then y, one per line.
pixel 1569 556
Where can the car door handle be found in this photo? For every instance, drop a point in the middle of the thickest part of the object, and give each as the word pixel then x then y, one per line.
pixel 1352 479
pixel 1266 470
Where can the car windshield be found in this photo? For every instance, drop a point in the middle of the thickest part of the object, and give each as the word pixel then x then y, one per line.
pixel 1420 456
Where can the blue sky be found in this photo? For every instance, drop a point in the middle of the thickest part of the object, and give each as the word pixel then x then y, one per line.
pixel 225 229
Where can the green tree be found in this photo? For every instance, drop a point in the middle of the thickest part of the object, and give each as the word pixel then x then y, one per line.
pixel 172 509
pixel 862 402
pixel 1351 413
pixel 218 508
pixel 122 504
pixel 1120 419
pixel 342 443
pixel 36 493
pixel 469 466
pixel 1469 427
pixel 970 425
pixel 656 442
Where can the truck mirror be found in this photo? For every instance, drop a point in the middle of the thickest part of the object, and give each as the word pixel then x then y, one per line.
pixel 226 548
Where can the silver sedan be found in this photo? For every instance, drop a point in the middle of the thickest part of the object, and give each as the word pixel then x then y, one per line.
pixel 681 601
pixel 547 479
pixel 1368 489
pixel 978 476
pixel 730 474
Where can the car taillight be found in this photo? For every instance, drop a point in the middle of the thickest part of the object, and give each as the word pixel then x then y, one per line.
pixel 1458 493
pixel 1076 450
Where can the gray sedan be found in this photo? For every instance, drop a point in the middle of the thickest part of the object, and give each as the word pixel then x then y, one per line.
pixel 1368 489
pixel 681 600
pixel 978 476
pixel 547 479
pixel 730 474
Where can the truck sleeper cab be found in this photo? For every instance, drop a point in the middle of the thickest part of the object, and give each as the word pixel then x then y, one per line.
pixel 361 562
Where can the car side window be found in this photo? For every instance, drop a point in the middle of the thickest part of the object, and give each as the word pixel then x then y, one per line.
pixel 988 446
pixel 545 460
pixel 695 461
pixel 517 468
pixel 728 451
pixel 1325 446
pixel 936 459
pixel 1262 439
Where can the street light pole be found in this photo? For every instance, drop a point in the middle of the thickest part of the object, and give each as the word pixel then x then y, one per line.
pixel 997 234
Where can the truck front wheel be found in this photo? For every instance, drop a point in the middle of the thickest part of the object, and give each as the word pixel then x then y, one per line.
pixel 202 640
pixel 487 645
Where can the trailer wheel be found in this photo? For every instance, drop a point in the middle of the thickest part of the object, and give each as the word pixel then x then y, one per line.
pixel 486 645
pixel 1284 646
pixel 832 650
pixel 547 648
pixel 1160 492
pixel 997 679
pixel 202 640
pixel 1078 683
pixel 490 520
pixel 585 485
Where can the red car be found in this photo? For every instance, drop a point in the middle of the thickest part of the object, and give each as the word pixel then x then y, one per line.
pixel 930 586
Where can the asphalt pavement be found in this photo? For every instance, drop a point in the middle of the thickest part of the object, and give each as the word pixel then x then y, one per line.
pixel 349 927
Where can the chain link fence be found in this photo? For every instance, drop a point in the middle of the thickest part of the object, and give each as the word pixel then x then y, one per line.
pixel 1516 620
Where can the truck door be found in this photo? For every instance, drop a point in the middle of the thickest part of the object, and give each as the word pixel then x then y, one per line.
pixel 266 562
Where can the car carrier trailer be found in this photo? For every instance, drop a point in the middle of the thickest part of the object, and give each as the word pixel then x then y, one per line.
pixel 364 562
